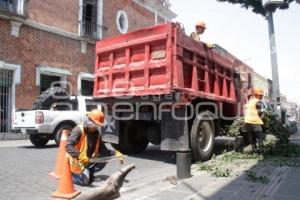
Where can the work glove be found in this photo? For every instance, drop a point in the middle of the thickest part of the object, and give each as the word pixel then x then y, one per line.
pixel 120 156
pixel 84 160
pixel 210 46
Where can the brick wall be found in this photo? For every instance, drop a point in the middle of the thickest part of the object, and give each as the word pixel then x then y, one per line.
pixel 138 16
pixel 35 47
pixel 56 13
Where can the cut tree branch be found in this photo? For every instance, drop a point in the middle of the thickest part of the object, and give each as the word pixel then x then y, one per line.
pixel 110 188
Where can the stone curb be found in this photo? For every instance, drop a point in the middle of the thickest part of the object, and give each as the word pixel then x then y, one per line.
pixel 13 136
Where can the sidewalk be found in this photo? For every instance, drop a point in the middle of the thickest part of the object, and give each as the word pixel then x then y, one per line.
pixel 283 184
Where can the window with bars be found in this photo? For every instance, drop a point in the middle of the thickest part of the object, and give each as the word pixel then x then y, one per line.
pixel 6 79
pixel 89 26
pixel 12 6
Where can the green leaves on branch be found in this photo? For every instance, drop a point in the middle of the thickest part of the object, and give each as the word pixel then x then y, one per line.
pixel 276 134
pixel 274 127
pixel 256 5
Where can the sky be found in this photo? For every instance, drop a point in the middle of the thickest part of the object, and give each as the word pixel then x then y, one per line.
pixel 245 35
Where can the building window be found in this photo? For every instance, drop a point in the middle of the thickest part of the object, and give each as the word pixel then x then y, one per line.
pixel 12 6
pixel 48 81
pixel 47 77
pixel 85 84
pixel 6 81
pixel 87 87
pixel 122 21
pixel 89 26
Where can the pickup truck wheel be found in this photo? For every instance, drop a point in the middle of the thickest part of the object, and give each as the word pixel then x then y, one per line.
pixel 131 140
pixel 202 137
pixel 58 131
pixel 39 140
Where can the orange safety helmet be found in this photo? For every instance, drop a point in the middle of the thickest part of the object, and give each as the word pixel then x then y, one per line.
pixel 97 117
pixel 258 91
pixel 201 24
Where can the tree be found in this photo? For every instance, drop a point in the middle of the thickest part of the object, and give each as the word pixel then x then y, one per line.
pixel 256 5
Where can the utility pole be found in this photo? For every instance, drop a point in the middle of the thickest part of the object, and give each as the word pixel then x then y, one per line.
pixel 274 64
pixel 270 7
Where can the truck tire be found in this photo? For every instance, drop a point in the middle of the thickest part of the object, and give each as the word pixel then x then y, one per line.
pixel 48 97
pixel 59 129
pixel 39 140
pixel 202 137
pixel 131 140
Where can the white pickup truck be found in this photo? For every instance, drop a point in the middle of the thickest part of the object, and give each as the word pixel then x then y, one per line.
pixel 43 125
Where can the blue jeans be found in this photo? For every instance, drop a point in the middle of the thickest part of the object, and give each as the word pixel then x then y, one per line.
pixel 87 177
pixel 83 179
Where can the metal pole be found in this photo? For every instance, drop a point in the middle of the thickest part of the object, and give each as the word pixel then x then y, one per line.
pixel 183 164
pixel 276 92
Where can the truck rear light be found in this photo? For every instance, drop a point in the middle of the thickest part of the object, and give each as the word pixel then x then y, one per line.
pixel 39 117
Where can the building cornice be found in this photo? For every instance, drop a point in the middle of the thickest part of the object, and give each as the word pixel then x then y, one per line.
pixel 161 11
pixel 46 28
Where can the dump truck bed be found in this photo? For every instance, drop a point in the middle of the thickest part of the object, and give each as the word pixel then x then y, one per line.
pixel 161 60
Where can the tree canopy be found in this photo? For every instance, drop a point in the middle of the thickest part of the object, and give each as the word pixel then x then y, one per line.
pixel 256 5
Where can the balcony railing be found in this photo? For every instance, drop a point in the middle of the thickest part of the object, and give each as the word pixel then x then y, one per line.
pixel 9 6
pixel 89 29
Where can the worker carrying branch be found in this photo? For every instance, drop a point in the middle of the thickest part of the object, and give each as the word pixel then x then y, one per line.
pixel 84 144
pixel 253 120
pixel 200 28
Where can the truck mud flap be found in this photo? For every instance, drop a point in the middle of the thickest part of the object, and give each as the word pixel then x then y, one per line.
pixel 175 136
pixel 110 130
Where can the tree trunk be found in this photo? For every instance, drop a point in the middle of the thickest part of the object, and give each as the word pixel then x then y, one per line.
pixel 110 188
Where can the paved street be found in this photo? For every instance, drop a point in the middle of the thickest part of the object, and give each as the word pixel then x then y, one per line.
pixel 24 170
pixel 24 175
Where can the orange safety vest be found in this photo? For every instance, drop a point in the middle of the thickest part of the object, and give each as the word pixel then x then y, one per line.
pixel 82 146
pixel 251 113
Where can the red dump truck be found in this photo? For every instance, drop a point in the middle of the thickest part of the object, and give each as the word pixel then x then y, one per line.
pixel 159 86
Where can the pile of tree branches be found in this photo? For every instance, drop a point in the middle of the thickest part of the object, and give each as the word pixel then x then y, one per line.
pixel 276 134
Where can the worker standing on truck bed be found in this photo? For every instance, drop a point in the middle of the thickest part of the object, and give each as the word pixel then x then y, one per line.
pixel 85 143
pixel 200 28
pixel 253 120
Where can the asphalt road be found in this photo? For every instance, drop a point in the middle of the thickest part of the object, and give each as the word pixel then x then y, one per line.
pixel 24 170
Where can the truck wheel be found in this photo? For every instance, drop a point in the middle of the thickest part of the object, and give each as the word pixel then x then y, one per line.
pixel 131 140
pixel 48 97
pixel 39 140
pixel 58 131
pixel 202 137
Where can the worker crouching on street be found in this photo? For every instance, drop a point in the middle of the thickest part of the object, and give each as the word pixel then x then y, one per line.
pixel 253 120
pixel 85 143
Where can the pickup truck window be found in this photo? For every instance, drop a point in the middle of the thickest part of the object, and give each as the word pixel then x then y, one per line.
pixel 91 107
pixel 65 106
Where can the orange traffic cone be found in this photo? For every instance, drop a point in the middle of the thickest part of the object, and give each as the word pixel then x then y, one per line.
pixel 61 155
pixel 65 187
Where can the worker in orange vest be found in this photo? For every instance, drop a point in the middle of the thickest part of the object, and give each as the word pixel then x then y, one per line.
pixel 200 28
pixel 85 143
pixel 253 119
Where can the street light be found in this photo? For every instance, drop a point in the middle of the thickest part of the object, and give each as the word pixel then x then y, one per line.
pixel 270 6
